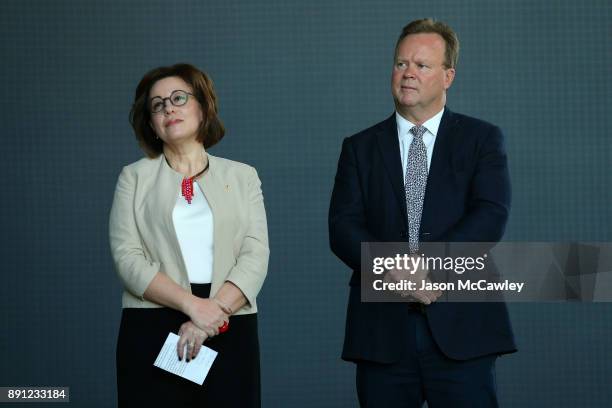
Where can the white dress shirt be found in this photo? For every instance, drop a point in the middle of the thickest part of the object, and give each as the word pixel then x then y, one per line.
pixel 405 137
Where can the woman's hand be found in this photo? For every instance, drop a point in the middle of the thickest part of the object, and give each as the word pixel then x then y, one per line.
pixel 206 314
pixel 192 337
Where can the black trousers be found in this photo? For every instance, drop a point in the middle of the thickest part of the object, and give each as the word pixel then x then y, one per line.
pixel 233 380
pixel 424 373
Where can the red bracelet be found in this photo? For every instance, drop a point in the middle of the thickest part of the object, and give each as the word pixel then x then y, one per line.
pixel 223 328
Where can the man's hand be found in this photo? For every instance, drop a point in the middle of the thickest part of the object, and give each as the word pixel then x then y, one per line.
pixel 419 277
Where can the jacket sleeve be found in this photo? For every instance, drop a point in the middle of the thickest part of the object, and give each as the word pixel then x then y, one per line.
pixel 347 219
pixel 134 269
pixel 252 262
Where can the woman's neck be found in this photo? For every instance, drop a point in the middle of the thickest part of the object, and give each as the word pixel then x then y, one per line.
pixel 187 160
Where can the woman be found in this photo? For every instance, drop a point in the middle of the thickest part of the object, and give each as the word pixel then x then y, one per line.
pixel 189 239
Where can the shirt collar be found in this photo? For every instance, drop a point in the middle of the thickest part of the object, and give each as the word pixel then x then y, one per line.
pixel 432 124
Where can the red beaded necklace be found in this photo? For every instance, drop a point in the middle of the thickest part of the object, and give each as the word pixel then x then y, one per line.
pixel 187 184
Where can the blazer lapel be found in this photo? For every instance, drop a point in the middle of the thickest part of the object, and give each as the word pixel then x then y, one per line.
pixel 441 163
pixel 213 189
pixel 388 143
pixel 165 193
pixel 167 187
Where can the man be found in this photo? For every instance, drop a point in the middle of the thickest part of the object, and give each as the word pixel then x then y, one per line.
pixel 424 174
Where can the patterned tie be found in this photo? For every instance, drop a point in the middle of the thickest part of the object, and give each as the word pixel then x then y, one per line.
pixel 416 180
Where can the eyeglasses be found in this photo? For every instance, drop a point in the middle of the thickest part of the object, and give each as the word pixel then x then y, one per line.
pixel 176 98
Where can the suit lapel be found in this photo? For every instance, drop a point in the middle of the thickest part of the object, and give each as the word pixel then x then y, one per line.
pixel 167 187
pixel 213 188
pixel 388 143
pixel 166 191
pixel 441 163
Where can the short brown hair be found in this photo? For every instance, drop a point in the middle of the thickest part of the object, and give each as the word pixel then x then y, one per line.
pixel 211 130
pixel 429 25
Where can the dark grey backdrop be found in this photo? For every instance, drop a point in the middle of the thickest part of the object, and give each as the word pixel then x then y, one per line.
pixel 293 79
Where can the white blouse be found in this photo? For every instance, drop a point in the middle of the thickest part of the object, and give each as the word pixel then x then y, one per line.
pixel 193 224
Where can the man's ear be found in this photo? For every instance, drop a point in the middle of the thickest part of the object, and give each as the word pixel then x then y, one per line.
pixel 449 76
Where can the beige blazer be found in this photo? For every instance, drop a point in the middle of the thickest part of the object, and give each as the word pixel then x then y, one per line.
pixel 143 240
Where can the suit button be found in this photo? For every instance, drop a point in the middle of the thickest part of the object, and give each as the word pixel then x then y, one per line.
pixel 404 234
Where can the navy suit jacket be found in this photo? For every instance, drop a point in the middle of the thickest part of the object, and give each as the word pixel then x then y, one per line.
pixel 467 199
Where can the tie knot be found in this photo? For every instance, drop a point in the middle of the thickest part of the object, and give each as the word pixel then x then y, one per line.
pixel 418 131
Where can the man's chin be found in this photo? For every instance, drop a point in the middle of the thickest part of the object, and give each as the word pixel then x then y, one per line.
pixel 405 103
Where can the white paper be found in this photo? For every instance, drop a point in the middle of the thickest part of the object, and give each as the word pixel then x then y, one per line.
pixel 195 370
